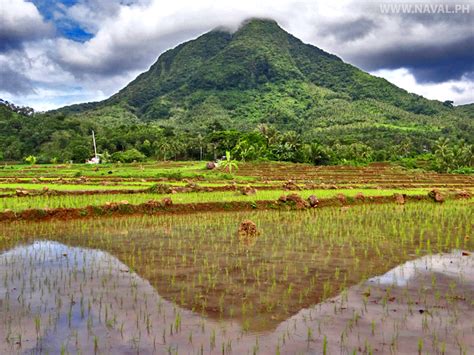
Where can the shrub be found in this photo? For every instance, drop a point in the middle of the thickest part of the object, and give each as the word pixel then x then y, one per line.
pixel 128 156
pixel 30 159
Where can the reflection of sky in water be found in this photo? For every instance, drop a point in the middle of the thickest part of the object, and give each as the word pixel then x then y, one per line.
pixel 451 264
pixel 57 255
pixel 43 273
pixel 81 293
pixel 53 271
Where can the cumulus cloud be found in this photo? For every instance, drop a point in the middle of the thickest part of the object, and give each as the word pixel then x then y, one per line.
pixel 434 54
pixel 135 35
pixel 21 22
pixel 45 98
pixel 349 30
pixel 14 82
pixel 434 47
pixel 429 54
pixel 460 91
pixel 90 14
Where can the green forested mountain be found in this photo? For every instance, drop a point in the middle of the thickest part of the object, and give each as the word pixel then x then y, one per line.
pixel 223 86
pixel 228 73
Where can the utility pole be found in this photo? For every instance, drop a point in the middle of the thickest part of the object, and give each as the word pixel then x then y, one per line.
pixel 95 147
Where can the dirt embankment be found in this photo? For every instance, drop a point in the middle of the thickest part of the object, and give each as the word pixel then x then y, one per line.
pixel 244 189
pixel 166 206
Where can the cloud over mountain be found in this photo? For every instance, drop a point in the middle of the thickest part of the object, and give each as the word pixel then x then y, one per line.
pixel 102 45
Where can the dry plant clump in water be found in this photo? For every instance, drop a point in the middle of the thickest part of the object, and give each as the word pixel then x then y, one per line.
pixel 167 201
pixel 400 198
pixel 313 201
pixel 463 194
pixel 293 200
pixel 153 203
pixel 248 190
pixel 291 185
pixel 210 165
pixel 22 193
pixel 360 196
pixel 160 189
pixel 116 204
pixel 248 232
pixel 436 196
pixel 193 187
pixel 342 198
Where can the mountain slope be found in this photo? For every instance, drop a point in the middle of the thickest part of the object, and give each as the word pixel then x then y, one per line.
pixel 238 81
pixel 258 54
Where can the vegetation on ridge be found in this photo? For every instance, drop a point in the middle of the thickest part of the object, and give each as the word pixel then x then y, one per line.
pixel 261 94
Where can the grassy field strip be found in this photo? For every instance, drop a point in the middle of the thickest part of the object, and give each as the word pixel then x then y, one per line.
pixel 66 187
pixel 19 204
pixel 161 170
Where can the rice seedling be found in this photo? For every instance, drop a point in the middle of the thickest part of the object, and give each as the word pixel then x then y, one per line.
pixel 17 204
pixel 303 282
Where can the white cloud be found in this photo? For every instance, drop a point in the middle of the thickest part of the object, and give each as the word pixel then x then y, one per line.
pixel 135 35
pixel 130 34
pixel 46 99
pixel 459 91
pixel 20 22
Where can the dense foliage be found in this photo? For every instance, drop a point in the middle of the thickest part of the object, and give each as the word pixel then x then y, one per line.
pixel 259 93
pixel 46 138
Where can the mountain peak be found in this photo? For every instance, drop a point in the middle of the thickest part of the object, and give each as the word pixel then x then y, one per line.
pixel 259 56
pixel 259 21
pixel 264 26
pixel 251 23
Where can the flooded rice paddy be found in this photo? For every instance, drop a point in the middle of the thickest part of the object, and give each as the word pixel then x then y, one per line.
pixel 372 279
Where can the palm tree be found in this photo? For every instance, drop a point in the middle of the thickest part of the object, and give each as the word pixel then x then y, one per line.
pixel 269 132
pixel 292 139
pixel 228 164
pixel 443 154
pixel 163 148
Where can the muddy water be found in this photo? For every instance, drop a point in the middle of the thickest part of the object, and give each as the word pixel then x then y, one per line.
pixel 187 284
pixel 57 298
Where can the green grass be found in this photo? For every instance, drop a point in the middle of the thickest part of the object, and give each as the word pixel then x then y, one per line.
pixel 19 204
pixel 170 170
pixel 67 187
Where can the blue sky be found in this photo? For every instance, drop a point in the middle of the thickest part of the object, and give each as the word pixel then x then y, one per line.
pixel 65 26
pixel 55 53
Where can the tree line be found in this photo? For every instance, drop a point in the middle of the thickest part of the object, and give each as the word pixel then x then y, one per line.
pixel 58 138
